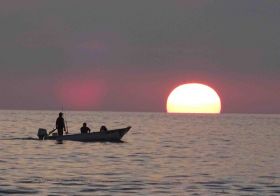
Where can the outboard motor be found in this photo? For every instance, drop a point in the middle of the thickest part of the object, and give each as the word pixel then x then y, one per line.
pixel 42 133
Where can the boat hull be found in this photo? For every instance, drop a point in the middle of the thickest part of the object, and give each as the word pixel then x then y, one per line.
pixel 110 135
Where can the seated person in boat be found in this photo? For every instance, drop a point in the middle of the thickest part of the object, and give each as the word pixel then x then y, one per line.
pixel 85 129
pixel 103 128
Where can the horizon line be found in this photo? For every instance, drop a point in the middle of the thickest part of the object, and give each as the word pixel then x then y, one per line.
pixel 125 111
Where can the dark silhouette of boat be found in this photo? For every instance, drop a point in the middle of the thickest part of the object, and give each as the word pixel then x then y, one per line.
pixel 114 135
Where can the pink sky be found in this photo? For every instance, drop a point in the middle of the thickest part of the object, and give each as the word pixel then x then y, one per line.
pixel 124 56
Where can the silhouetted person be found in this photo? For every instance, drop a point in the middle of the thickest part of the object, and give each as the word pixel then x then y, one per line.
pixel 103 129
pixel 85 129
pixel 60 125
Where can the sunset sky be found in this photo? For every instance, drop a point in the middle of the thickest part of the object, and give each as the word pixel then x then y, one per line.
pixel 128 55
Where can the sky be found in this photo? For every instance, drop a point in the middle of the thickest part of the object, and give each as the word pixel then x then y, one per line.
pixel 128 55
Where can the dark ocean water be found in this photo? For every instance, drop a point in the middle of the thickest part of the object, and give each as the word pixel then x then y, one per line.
pixel 163 154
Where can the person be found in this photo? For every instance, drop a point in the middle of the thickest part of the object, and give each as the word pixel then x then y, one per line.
pixel 103 128
pixel 85 129
pixel 60 124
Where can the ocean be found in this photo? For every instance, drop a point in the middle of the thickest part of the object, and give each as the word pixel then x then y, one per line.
pixel 162 154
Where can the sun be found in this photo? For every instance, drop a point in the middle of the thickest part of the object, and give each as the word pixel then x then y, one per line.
pixel 193 98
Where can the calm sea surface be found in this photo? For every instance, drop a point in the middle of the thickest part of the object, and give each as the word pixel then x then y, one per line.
pixel 163 154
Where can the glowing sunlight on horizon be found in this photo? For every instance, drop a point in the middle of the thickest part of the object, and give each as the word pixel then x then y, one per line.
pixel 193 98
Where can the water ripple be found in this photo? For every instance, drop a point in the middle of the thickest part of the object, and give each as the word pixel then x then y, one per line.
pixel 162 155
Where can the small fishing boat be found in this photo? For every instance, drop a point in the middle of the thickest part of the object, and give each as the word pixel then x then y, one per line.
pixel 109 135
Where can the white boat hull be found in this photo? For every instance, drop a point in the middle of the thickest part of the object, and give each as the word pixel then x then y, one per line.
pixel 110 135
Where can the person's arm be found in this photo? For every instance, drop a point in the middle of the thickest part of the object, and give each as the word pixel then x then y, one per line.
pixel 64 128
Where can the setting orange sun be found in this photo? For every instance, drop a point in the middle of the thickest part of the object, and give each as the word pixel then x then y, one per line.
pixel 193 98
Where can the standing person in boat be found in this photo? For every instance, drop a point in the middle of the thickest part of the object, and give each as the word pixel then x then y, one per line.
pixel 85 129
pixel 60 124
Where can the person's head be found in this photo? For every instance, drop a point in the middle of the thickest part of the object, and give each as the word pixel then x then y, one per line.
pixel 84 124
pixel 60 114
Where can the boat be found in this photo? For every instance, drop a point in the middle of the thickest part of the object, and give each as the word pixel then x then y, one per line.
pixel 114 135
